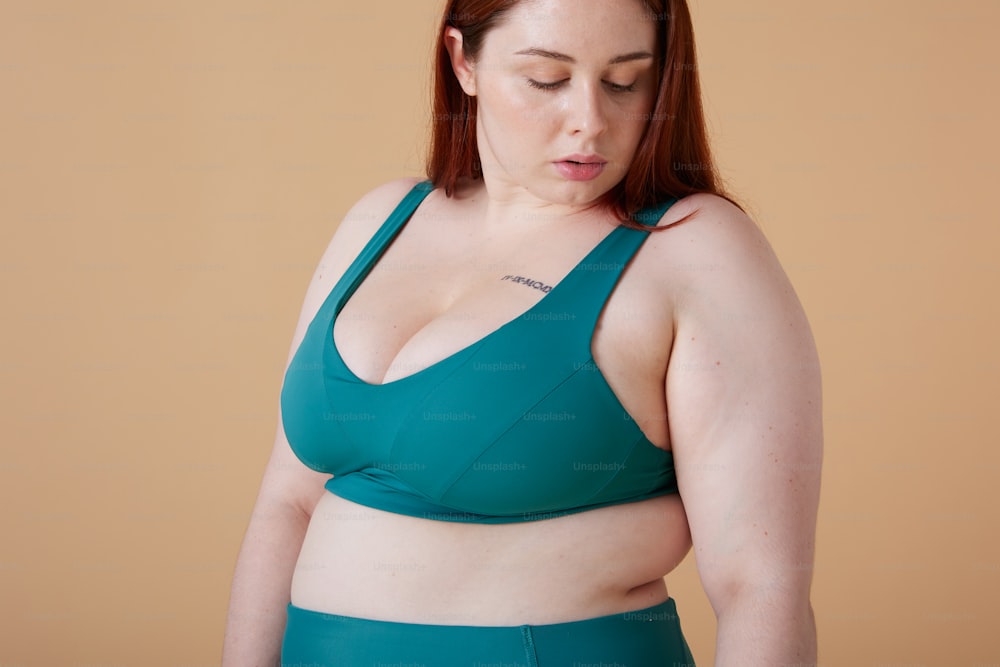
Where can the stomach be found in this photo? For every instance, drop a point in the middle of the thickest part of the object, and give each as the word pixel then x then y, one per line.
pixel 368 563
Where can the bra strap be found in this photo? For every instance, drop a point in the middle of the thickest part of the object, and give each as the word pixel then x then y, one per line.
pixel 592 281
pixel 376 246
pixel 651 215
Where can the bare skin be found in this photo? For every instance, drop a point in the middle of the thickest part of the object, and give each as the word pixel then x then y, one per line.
pixel 422 302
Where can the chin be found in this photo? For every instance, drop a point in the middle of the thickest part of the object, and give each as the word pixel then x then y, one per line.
pixel 583 192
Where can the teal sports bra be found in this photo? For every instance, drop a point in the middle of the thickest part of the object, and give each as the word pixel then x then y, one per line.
pixel 518 426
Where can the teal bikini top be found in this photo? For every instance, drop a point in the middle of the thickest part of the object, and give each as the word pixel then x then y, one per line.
pixel 518 426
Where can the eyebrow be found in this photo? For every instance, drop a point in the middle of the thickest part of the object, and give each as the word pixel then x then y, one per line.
pixel 624 58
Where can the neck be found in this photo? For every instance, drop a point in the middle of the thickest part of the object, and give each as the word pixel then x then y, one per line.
pixel 507 206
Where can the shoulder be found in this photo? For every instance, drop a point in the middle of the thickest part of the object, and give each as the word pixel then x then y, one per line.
pixel 710 248
pixel 364 218
pixel 373 207
pixel 732 300
pixel 354 231
pixel 706 213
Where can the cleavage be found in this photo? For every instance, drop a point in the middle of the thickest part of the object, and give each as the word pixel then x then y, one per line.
pixel 466 297
pixel 391 335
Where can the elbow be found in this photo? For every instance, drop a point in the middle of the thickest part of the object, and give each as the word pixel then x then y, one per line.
pixel 784 592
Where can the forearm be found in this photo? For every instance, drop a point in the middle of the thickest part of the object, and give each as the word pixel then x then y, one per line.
pixel 261 586
pixel 764 633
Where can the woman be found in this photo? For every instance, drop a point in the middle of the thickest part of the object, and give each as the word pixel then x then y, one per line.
pixel 516 370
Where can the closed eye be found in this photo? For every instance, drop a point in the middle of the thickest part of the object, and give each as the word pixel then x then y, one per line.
pixel 618 88
pixel 545 86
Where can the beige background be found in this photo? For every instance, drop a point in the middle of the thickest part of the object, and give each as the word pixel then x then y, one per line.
pixel 171 171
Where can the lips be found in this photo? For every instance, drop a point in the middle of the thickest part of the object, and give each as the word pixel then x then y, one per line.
pixel 579 167
pixel 578 158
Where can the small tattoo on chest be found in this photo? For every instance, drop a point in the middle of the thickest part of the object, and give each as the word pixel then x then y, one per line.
pixel 528 281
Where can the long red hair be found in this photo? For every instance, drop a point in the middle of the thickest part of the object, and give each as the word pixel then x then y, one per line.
pixel 673 158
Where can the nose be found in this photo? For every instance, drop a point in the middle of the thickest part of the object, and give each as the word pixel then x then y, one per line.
pixel 587 114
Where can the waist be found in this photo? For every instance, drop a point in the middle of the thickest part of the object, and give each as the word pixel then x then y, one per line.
pixel 368 563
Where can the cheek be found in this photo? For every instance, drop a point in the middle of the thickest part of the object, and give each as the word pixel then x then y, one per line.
pixel 514 105
pixel 636 115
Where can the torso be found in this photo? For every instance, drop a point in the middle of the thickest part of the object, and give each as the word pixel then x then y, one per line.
pixel 438 288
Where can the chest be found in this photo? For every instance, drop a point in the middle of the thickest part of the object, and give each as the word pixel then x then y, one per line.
pixel 416 310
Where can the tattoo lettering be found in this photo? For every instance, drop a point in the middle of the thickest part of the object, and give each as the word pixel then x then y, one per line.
pixel 528 281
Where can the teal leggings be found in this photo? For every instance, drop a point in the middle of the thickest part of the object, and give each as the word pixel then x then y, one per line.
pixel 649 637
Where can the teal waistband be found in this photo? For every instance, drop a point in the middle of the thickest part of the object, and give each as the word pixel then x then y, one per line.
pixel 649 637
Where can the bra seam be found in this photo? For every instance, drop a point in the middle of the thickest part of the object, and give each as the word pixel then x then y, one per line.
pixel 631 450
pixel 501 434
pixel 424 392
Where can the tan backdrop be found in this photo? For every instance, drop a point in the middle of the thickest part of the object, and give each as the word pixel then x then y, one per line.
pixel 171 171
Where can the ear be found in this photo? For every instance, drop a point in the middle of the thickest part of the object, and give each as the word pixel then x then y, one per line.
pixel 465 70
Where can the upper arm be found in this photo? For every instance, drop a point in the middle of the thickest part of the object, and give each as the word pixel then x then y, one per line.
pixel 744 397
pixel 286 479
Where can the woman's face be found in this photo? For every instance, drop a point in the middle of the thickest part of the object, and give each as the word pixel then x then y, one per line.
pixel 560 81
